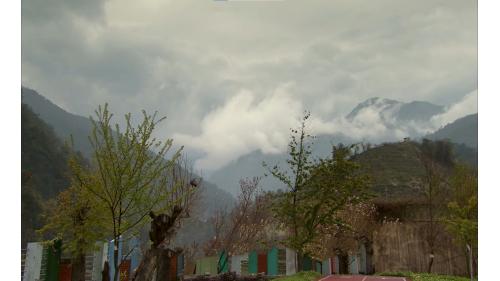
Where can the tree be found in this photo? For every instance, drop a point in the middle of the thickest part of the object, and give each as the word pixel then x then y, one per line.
pixel 359 223
pixel 461 220
pixel 300 164
pixel 130 175
pixel 317 191
pixel 436 157
pixel 73 218
pixel 245 227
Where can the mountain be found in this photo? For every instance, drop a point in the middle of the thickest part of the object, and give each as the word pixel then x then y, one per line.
pixel 44 170
pixel 461 131
pixel 65 124
pixel 396 111
pixel 409 117
pixel 250 165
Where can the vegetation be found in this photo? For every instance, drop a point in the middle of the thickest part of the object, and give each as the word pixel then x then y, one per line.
pixel 129 176
pixel 301 276
pixel 43 170
pixel 424 276
pixel 317 192
pixel 461 219
pixel 246 226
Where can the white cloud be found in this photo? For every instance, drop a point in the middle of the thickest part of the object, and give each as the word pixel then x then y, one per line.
pixel 467 105
pixel 244 124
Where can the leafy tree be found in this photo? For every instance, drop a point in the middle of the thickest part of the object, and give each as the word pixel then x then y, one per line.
pixel 461 220
pixel 300 164
pixel 130 175
pixel 74 218
pixel 317 191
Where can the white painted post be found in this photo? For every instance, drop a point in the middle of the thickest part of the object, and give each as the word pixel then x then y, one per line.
pixel 291 259
pixel 33 264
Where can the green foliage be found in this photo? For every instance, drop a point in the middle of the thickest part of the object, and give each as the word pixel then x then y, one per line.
pixel 130 175
pixel 44 170
pixel 461 220
pixel 301 276
pixel 317 190
pixel 76 219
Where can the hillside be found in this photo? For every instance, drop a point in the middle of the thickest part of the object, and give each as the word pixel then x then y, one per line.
pixel 461 131
pixel 392 110
pixel 250 165
pixel 395 170
pixel 43 167
pixel 64 123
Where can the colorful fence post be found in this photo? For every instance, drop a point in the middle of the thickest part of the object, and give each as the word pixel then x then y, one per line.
pixel 33 263
pixel 252 262
pixel 272 262
pixel 53 258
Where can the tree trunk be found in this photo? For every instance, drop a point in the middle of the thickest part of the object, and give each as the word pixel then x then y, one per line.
pixel 78 268
pixel 116 263
pixel 343 263
pixel 431 261
pixel 369 257
pixel 156 263
pixel 300 263
pixel 105 272
pixel 163 265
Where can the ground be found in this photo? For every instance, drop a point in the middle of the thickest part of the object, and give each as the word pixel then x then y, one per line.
pixel 362 278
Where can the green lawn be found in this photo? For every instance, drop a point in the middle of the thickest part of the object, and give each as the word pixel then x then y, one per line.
pixel 301 276
pixel 425 276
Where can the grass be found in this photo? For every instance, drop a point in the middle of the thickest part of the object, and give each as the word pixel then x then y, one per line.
pixel 301 276
pixel 425 276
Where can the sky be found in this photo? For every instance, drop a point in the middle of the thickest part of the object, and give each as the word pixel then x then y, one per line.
pixel 233 76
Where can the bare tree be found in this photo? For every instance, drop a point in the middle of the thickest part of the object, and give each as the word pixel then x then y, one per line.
pixel 243 228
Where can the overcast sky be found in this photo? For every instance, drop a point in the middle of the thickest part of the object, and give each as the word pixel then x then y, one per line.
pixel 232 77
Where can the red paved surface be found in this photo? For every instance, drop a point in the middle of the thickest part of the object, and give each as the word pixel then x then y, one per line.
pixel 361 278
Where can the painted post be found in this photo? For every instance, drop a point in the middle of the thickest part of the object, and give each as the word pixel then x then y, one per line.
pixel 33 263
pixel 53 258
pixel 290 262
pixel 272 262
pixel 252 262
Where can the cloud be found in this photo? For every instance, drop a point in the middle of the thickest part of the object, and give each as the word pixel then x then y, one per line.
pixel 244 124
pixel 197 61
pixel 466 106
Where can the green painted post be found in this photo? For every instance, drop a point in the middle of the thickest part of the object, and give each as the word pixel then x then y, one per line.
pixel 223 263
pixel 307 264
pixel 252 262
pixel 272 262
pixel 53 258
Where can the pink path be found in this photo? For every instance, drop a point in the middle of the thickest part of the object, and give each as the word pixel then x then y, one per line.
pixel 361 278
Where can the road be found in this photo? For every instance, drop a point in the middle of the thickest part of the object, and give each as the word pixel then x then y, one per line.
pixel 361 278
